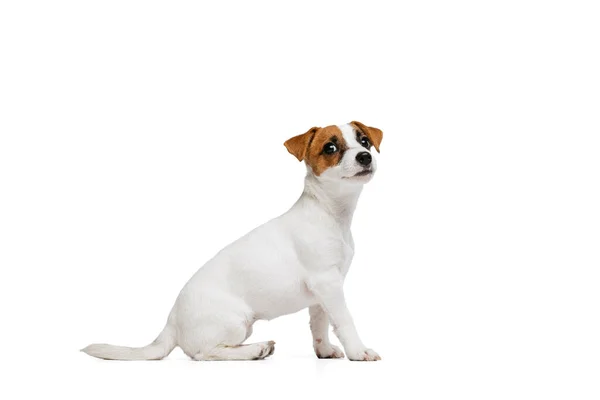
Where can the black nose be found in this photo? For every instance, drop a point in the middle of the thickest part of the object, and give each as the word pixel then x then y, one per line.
pixel 364 158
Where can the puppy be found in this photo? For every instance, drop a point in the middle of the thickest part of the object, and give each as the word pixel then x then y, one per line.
pixel 295 261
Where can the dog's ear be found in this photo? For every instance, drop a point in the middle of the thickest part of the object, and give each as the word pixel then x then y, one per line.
pixel 298 145
pixel 375 135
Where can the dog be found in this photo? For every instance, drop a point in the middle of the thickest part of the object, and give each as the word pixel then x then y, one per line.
pixel 297 260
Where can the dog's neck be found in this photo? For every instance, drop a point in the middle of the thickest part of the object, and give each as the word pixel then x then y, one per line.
pixel 337 199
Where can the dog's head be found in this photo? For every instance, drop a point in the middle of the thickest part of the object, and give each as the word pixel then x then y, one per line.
pixel 340 152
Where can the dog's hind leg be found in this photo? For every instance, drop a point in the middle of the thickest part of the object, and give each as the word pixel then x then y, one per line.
pixel 254 351
pixel 222 338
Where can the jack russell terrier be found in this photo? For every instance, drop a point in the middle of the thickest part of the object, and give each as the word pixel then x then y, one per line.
pixel 297 260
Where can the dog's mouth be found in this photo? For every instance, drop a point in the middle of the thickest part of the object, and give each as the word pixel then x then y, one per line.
pixel 365 172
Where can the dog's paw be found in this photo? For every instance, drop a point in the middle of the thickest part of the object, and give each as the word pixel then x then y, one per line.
pixel 364 355
pixel 265 350
pixel 328 351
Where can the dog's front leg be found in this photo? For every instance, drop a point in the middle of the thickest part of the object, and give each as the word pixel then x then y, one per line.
pixel 327 287
pixel 319 326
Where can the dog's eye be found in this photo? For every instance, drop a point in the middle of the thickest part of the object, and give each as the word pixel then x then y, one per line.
pixel 330 148
pixel 365 142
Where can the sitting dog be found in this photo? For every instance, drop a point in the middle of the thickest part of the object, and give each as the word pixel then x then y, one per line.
pixel 297 260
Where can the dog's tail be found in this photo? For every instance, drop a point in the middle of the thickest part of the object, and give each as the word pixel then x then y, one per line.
pixel 160 348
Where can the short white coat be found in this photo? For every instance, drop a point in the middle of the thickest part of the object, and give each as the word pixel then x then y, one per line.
pixel 295 261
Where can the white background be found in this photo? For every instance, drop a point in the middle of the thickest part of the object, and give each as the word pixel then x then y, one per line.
pixel 140 137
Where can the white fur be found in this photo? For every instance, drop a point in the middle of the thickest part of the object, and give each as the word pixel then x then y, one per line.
pixel 292 262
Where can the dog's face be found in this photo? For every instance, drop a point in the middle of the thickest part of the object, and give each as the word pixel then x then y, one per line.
pixel 338 152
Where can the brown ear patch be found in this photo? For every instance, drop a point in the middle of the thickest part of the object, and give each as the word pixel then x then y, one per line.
pixel 375 135
pixel 309 147
pixel 298 145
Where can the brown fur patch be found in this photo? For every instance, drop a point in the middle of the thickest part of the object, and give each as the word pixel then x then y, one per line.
pixel 298 145
pixel 375 135
pixel 309 147
pixel 316 158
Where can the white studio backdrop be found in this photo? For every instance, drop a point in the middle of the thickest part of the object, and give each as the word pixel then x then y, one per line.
pixel 137 138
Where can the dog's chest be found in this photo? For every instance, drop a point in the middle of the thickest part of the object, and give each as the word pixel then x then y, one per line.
pixel 346 253
pixel 337 250
pixel 322 248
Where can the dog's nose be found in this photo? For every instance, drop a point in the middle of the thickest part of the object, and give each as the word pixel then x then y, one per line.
pixel 364 158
